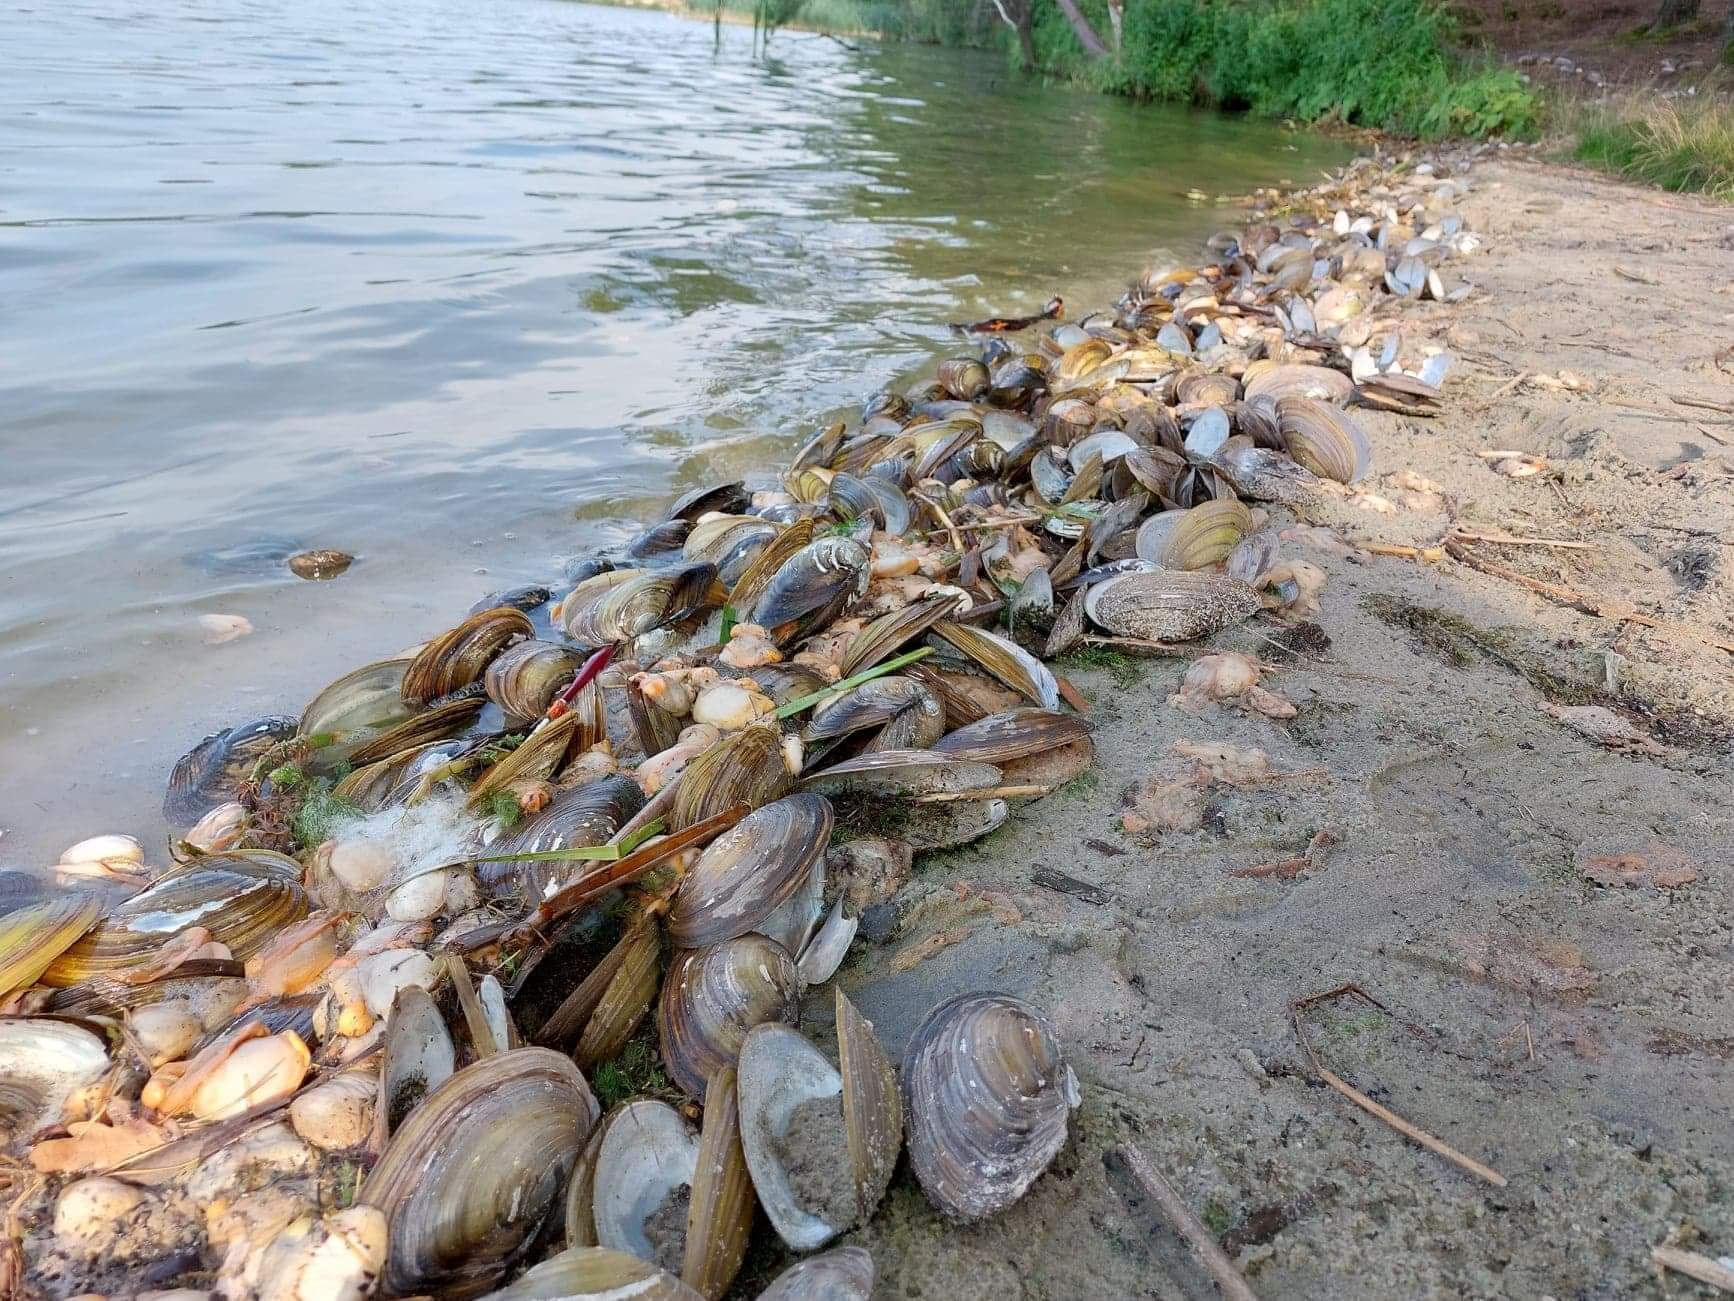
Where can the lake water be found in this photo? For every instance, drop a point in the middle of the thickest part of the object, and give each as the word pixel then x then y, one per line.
pixel 465 288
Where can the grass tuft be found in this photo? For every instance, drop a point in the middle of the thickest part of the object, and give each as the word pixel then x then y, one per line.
pixel 1680 145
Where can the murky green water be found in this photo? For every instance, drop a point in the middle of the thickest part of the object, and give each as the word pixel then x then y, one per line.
pixel 463 288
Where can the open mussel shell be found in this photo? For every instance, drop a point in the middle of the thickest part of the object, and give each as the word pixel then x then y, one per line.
pixel 1015 734
pixel 750 872
pixel 986 1090
pixel 578 818
pixel 43 1062
pixel 1262 474
pixel 1004 659
pixel 903 712
pixel 524 679
pixel 644 1167
pixel 880 638
pixel 1170 605
pixel 812 588
pixel 729 542
pixel 439 722
pixel 849 1121
pixel 470 1179
pixel 215 770
pixel 418 1056
pixel 841 1274
pixel 459 657
pixel 32 937
pixel 1324 439
pixel 744 767
pixel 712 996
pixel 1195 538
pixel 964 378
pixel 243 898
pixel 594 1274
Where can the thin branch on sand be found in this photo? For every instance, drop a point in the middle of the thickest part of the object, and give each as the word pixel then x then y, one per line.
pixel 1214 1259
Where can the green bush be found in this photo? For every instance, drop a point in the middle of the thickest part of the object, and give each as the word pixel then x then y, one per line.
pixel 1379 63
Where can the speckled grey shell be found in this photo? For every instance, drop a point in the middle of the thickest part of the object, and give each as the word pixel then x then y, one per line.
pixel 841 1274
pixel 712 996
pixel 986 1092
pixel 750 871
pixel 1170 605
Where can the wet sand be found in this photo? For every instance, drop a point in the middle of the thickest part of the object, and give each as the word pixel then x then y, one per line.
pixel 1576 1037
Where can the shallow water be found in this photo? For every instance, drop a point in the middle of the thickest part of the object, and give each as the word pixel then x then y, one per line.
pixel 464 289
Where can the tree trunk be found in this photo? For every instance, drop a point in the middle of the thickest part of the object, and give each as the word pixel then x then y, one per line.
pixel 1093 44
pixel 1021 20
pixel 1673 13
pixel 1728 37
pixel 1116 20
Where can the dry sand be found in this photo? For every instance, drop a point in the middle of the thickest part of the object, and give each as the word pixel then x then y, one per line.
pixel 1575 1036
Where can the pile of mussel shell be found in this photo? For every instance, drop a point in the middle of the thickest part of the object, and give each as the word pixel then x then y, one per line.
pixel 577 849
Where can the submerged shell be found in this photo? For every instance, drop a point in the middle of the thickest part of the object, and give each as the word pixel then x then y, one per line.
pixel 986 1090
pixel 750 871
pixel 215 770
pixel 469 1181
pixel 712 996
pixel 1170 605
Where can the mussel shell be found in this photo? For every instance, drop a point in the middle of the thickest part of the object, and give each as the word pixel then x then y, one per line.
pixel 1206 388
pixel 726 498
pixel 1005 660
pixel 243 898
pixel 750 871
pixel 812 587
pixel 986 1090
pixel 712 996
pixel 729 542
pixel 418 1056
pixel 360 703
pixel 780 1070
pixel 851 498
pixel 663 539
pixel 32 937
pixel 628 603
pixel 1292 380
pixel 1195 538
pixel 524 679
pixel 1013 735
pixel 903 773
pixel 578 818
pixel 469 1180
pixel 647 1152
pixel 531 596
pixel 459 657
pixel 1170 605
pixel 964 378
pixel 214 771
pixel 43 1061
pixel 886 633
pixel 594 1274
pixel 1324 439
pixel 907 715
pixel 841 1274
pixel 744 767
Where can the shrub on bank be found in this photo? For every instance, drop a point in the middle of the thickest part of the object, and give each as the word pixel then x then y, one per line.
pixel 1390 64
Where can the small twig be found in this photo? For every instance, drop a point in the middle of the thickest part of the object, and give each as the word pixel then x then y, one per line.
pixel 1712 435
pixel 1071 885
pixel 1432 555
pixel 951 528
pixel 1694 1265
pixel 1634 277
pixel 979 526
pixel 982 793
pixel 1702 404
pixel 1141 644
pixel 1214 1259
pixel 1508 540
pixel 1372 1108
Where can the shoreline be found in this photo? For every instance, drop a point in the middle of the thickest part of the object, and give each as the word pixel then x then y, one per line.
pixel 1572 1033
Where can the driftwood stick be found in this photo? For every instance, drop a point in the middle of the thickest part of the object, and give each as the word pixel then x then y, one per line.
pixel 1214 1259
pixel 1694 1264
pixel 1404 1128
pixel 1508 540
